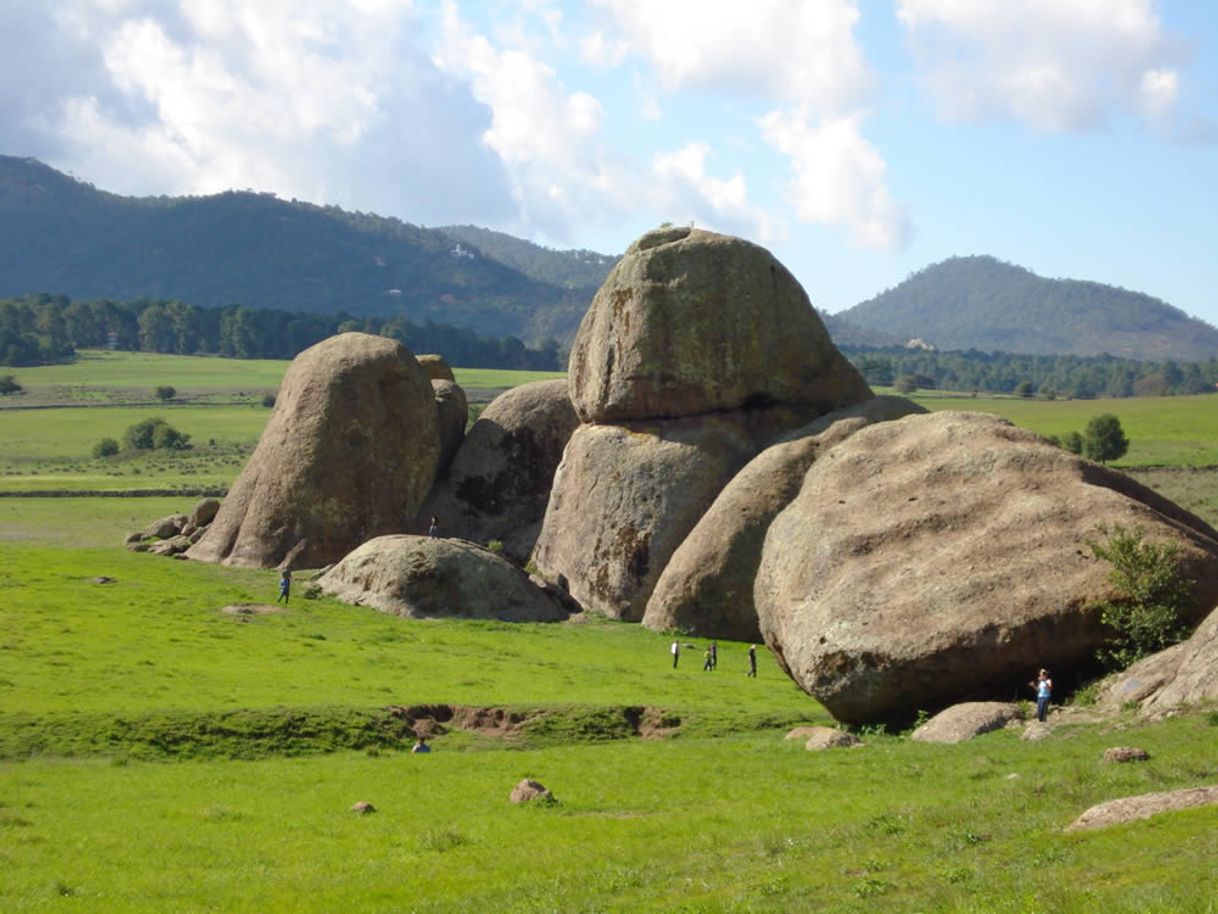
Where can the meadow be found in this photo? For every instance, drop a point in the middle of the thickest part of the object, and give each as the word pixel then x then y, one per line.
pixel 159 754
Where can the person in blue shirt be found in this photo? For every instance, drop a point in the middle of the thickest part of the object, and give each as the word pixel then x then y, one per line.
pixel 1044 691
pixel 285 585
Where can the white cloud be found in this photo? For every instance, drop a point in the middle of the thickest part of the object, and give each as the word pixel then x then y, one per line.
pixel 330 101
pixel 1051 64
pixel 549 139
pixel 790 50
pixel 837 177
pixel 717 203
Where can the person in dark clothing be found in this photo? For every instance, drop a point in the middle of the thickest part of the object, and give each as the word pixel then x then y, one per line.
pixel 752 660
pixel 434 530
pixel 714 652
pixel 285 585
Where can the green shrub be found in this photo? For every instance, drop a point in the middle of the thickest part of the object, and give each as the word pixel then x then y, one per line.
pixel 1154 598
pixel 9 385
pixel 107 447
pixel 268 400
pixel 1073 442
pixel 165 393
pixel 154 433
pixel 1104 439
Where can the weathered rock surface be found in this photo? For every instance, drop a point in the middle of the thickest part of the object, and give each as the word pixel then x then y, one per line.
pixel 204 511
pixel 172 546
pixel 1184 674
pixel 166 526
pixel 941 555
pixel 963 722
pixel 691 322
pixel 830 738
pixel 1036 730
pixel 624 498
pixel 1130 809
pixel 422 577
pixel 349 453
pixel 452 412
pixel 498 483
pixel 528 790
pixel 435 367
pixel 707 587
pixel 802 732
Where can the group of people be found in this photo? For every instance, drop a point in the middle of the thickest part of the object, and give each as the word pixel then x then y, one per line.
pixel 710 659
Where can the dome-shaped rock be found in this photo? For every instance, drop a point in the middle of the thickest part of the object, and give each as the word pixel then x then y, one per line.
pixel 422 577
pixel 706 589
pixel 349 453
pixel 692 322
pixel 931 557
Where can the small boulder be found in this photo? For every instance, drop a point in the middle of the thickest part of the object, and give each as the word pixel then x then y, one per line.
pixel 363 808
pixel 1130 809
pixel 435 367
pixel 424 577
pixel 139 547
pixel 166 526
pixel 175 545
pixel 1121 754
pixel 135 537
pixel 1036 730
pixel 528 790
pixel 101 579
pixel 963 722
pixel 204 511
pixel 830 738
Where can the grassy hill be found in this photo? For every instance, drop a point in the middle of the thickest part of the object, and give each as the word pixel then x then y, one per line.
pixel 62 236
pixel 983 303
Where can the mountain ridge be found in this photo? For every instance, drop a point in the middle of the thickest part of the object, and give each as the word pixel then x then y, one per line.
pixel 981 302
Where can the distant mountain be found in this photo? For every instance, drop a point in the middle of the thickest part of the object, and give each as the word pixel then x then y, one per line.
pixel 983 303
pixel 63 236
pixel 570 269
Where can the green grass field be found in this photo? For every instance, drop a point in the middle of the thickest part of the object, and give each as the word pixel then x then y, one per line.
pixel 158 754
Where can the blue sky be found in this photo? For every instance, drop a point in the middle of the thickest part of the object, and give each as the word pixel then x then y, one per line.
pixel 860 140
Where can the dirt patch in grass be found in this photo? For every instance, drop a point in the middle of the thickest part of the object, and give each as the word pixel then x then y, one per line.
pixel 251 609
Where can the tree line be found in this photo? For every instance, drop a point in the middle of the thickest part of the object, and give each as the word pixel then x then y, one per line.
pixel 1045 376
pixel 43 328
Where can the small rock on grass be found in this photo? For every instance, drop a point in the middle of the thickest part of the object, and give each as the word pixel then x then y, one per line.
pixel 830 738
pixel 1130 809
pixel 1119 754
pixel 363 808
pixel 528 790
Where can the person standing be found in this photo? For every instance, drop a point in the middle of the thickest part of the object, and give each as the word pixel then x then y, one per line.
pixel 752 661
pixel 676 653
pixel 714 652
pixel 434 530
pixel 1044 691
pixel 285 585
pixel 706 660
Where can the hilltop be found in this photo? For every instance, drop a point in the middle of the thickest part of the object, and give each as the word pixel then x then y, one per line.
pixel 983 303
pixel 61 235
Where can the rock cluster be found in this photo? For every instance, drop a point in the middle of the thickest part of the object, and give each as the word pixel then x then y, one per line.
pixel 698 351
pixel 174 534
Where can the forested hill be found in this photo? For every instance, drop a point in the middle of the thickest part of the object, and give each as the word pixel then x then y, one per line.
pixel 983 303
pixel 573 269
pixel 62 236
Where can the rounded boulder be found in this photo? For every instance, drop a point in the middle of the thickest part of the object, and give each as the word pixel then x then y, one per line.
pixel 943 555
pixel 691 322
pixel 425 577
pixel 349 452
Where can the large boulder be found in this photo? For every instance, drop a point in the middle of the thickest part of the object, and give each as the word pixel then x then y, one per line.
pixel 691 322
pixel 349 453
pixel 939 556
pixel 498 483
pixel 707 587
pixel 625 497
pixel 424 577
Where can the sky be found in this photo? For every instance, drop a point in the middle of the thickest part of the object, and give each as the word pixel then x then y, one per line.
pixel 859 140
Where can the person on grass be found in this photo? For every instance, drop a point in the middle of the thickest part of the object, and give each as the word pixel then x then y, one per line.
pixel 1044 691
pixel 285 585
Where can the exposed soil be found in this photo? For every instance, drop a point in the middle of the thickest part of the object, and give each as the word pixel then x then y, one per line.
pixel 251 609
